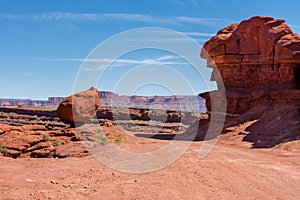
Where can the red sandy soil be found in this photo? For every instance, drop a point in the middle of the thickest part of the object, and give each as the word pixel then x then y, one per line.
pixel 228 172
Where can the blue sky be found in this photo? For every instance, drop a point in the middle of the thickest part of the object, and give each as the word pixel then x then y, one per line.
pixel 43 43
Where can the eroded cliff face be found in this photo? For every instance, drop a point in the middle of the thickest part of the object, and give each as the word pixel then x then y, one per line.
pixel 259 65
pixel 256 59
pixel 257 40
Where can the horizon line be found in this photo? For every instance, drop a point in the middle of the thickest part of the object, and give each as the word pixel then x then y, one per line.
pixel 122 95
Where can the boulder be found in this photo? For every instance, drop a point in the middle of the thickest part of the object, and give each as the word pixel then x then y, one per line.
pixel 80 107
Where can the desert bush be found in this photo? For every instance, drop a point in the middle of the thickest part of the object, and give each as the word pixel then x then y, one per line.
pixel 58 142
pixel 45 136
pixel 3 150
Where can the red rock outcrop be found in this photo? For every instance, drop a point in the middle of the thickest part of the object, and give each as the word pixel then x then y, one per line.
pixel 255 58
pixel 258 61
pixel 38 141
pixel 139 114
pixel 79 107
pixel 257 40
pixel 42 137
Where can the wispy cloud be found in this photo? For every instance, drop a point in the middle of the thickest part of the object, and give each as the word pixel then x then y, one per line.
pixel 113 16
pixel 200 21
pixel 169 40
pixel 199 34
pixel 29 74
pixel 103 62
pixel 193 2
pixel 100 63
pixel 99 16
pixel 185 2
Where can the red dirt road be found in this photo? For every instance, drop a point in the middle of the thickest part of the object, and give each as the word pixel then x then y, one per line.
pixel 228 172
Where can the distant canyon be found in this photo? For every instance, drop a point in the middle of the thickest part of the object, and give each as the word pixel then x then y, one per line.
pixel 189 103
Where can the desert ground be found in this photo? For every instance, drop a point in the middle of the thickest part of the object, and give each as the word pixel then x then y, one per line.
pixel 228 172
pixel 232 170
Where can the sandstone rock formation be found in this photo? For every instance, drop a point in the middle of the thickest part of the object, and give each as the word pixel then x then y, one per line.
pixel 173 117
pixel 105 113
pixel 259 64
pixel 79 107
pixel 139 114
pixel 38 134
pixel 22 116
pixel 38 141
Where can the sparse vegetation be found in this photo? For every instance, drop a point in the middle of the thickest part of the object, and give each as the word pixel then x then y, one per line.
pixel 58 142
pixel 119 138
pixel 25 154
pixel 45 136
pixel 114 138
pixel 100 139
pixel 78 134
pixel 3 150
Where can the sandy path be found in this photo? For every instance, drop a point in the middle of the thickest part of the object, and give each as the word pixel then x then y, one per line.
pixel 226 173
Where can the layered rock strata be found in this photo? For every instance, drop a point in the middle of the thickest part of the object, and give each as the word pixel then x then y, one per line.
pixel 258 63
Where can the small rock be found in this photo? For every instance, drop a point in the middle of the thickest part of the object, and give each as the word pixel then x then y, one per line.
pixel 53 182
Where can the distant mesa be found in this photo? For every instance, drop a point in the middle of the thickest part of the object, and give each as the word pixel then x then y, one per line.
pixel 51 102
pixel 189 103
pixel 259 64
